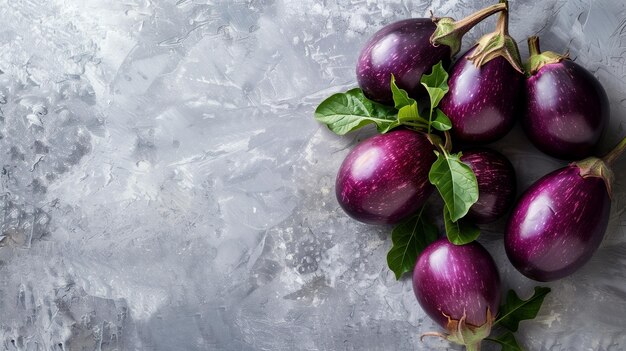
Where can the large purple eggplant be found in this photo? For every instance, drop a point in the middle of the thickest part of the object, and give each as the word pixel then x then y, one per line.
pixel 409 48
pixel 496 184
pixel 385 178
pixel 485 86
pixel 459 288
pixel 567 109
pixel 560 220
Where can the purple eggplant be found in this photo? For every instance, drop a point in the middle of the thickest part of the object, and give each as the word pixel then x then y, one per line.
pixel 484 88
pixel 567 109
pixel 496 184
pixel 459 288
pixel 409 48
pixel 560 220
pixel 385 178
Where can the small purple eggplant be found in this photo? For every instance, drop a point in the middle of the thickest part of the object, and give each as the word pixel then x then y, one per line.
pixel 459 288
pixel 484 88
pixel 567 109
pixel 409 48
pixel 385 178
pixel 560 220
pixel 496 184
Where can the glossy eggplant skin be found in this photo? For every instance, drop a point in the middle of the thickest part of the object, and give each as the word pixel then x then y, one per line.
pixel 567 110
pixel 403 49
pixel 452 280
pixel 482 103
pixel 497 184
pixel 384 179
pixel 557 224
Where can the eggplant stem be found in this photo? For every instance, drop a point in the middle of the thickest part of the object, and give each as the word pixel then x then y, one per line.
pixel 539 59
pixel 464 25
pixel 498 44
pixel 612 156
pixel 450 32
pixel 502 25
pixel 533 45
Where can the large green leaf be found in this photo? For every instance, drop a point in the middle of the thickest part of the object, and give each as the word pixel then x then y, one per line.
pixel 345 112
pixel 460 232
pixel 507 341
pixel 456 183
pixel 436 84
pixel 409 239
pixel 515 309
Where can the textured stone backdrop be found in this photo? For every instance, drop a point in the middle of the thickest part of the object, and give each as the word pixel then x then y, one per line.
pixel 164 185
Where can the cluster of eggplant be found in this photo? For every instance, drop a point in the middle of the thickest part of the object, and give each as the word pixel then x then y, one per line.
pixel 557 223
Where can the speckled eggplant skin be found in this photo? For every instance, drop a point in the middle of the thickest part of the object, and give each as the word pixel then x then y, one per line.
pixel 557 224
pixel 385 178
pixel 567 110
pixel 482 103
pixel 450 279
pixel 497 184
pixel 403 49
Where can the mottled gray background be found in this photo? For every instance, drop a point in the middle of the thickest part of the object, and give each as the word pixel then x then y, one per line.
pixel 164 185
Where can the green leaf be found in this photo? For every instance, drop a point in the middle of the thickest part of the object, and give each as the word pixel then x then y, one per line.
pixel 508 342
pixel 460 232
pixel 456 183
pixel 385 128
pixel 409 112
pixel 441 122
pixel 400 96
pixel 409 115
pixel 515 309
pixel 345 112
pixel 436 83
pixel 409 239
